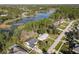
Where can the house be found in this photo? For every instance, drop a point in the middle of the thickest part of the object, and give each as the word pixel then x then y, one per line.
pixel 3 15
pixel 76 48
pixel 31 43
pixel 15 49
pixel 43 37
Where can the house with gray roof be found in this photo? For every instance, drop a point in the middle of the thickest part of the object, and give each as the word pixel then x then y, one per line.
pixel 15 49
pixel 31 43
pixel 76 49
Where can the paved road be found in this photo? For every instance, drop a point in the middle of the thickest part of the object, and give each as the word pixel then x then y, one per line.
pixel 59 38
pixel 60 47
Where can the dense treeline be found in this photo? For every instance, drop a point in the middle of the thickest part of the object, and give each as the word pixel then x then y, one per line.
pixel 10 12
pixel 41 26
pixel 5 37
pixel 72 37
pixel 70 12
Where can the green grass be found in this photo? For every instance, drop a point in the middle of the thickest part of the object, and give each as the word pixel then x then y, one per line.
pixel 53 36
pixel 32 52
pixel 64 48
pixel 63 25
pixel 44 45
pixel 59 44
pixel 63 38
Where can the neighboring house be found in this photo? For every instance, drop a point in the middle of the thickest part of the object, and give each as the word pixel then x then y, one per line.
pixel 3 15
pixel 31 43
pixel 59 22
pixel 15 49
pixel 43 37
pixel 76 48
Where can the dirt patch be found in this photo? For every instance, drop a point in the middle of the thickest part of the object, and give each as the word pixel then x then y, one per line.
pixel 3 26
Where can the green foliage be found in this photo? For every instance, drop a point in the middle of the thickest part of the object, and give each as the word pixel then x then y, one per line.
pixel 5 37
pixel 10 12
pixel 41 26
pixel 56 15
pixel 58 46
pixel 44 45
pixel 70 12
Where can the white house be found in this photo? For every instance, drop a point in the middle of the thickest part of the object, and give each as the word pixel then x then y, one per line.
pixel 43 37
pixel 3 15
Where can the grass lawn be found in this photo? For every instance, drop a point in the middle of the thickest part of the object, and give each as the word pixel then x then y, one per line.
pixel 44 45
pixel 59 44
pixel 53 36
pixel 63 38
pixel 32 52
pixel 64 48
pixel 63 25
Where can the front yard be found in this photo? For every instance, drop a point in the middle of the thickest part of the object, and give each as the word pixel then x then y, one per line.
pixel 63 25
pixel 58 46
pixel 44 45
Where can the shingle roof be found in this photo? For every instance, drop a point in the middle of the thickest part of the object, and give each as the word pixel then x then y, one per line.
pixel 76 49
pixel 32 42
pixel 15 49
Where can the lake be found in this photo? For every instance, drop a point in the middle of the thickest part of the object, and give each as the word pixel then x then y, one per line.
pixel 38 16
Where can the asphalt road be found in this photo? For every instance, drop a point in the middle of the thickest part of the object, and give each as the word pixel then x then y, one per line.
pixel 59 38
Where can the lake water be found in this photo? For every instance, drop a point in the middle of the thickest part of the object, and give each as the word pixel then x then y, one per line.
pixel 38 16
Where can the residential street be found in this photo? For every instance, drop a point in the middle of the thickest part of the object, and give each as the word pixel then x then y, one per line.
pixel 59 38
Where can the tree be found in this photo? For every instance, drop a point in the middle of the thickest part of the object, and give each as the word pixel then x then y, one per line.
pixel 70 40
pixel 2 41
